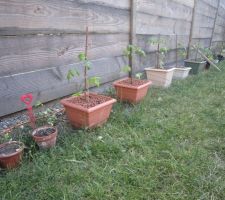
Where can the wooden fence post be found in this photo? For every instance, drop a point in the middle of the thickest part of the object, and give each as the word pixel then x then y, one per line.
pixel 132 36
pixel 191 29
pixel 214 24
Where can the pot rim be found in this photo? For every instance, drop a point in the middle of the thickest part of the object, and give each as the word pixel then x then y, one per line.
pixel 117 83
pixel 21 144
pixel 44 127
pixel 182 68
pixel 159 70
pixel 193 61
pixel 65 103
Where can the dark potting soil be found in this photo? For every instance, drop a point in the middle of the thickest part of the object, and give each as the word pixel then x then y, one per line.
pixel 135 82
pixel 9 149
pixel 44 132
pixel 93 101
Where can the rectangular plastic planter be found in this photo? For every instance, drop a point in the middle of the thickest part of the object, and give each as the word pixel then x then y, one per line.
pixel 81 117
pixel 181 73
pixel 196 66
pixel 129 93
pixel 160 77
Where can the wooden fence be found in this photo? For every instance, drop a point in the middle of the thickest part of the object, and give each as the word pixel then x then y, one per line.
pixel 40 40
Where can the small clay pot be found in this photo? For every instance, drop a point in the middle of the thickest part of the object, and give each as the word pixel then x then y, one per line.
pixel 12 158
pixel 45 141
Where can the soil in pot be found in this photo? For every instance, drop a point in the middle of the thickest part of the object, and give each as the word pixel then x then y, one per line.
pixel 44 132
pixel 10 154
pixel 93 101
pixel 134 83
pixel 45 137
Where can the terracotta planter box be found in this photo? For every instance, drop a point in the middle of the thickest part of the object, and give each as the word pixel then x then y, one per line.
pixel 196 66
pixel 11 159
pixel 160 77
pixel 81 117
pixel 181 73
pixel 131 93
pixel 45 142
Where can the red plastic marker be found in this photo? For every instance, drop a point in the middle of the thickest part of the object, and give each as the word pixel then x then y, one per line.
pixel 27 99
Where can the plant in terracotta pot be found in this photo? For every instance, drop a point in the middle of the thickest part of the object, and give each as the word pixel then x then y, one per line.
pixel 87 110
pixel 11 152
pixel 159 75
pixel 197 64
pixel 132 89
pixel 44 136
pixel 180 72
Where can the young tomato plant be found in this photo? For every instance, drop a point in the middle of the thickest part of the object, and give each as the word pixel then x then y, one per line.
pixel 93 81
pixel 161 51
pixel 129 52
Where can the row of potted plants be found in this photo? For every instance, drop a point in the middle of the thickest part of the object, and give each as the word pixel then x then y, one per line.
pixel 88 110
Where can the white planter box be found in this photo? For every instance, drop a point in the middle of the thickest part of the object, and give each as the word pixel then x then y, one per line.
pixel 181 73
pixel 160 77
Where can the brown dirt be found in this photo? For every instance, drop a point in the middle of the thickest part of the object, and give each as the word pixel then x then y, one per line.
pixel 94 100
pixel 44 132
pixel 135 82
pixel 9 149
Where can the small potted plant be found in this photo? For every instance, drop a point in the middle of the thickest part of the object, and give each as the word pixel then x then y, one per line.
pixel 131 89
pixel 87 110
pixel 44 136
pixel 180 72
pixel 11 153
pixel 159 75
pixel 219 52
pixel 197 64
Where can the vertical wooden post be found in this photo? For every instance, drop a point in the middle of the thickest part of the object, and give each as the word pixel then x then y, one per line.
pixel 214 24
pixel 191 30
pixel 132 39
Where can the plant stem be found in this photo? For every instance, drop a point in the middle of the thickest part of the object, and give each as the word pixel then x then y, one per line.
pixel 176 52
pixel 86 87
pixel 158 47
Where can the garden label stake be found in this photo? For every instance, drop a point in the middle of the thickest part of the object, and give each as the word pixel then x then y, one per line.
pixel 27 100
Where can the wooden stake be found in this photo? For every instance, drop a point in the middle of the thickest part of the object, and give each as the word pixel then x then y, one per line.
pixel 191 30
pixel 176 52
pixel 85 68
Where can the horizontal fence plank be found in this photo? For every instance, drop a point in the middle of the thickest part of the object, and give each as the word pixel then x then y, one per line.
pixel 40 16
pixel 165 8
pixel 152 25
pixel 30 53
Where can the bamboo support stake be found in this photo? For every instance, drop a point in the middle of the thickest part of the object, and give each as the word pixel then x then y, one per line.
pixel 176 51
pixel 202 55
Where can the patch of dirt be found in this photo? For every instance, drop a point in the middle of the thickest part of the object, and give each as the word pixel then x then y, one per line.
pixel 9 149
pixel 44 132
pixel 93 101
pixel 135 82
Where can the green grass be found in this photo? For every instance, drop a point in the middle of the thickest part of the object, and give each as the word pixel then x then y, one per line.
pixel 171 146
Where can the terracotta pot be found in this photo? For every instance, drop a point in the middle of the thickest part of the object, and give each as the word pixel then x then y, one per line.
pixel 45 142
pixel 81 117
pixel 160 77
pixel 130 93
pixel 11 160
pixel 181 72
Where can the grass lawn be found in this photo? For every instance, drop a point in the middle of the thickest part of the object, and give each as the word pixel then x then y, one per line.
pixel 170 146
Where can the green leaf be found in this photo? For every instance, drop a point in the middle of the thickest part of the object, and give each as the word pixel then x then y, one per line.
pixel 71 73
pixel 126 69
pixel 82 56
pixel 38 104
pixel 94 81
pixel 77 94
pixel 139 75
